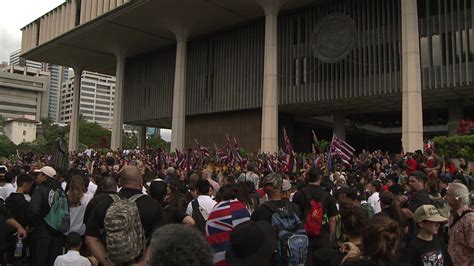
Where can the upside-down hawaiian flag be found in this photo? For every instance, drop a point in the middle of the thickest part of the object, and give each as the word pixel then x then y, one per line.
pixel 342 149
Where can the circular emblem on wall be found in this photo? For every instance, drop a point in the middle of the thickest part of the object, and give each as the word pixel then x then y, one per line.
pixel 334 38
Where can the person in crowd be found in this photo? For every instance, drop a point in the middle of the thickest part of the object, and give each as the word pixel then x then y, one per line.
pixel 170 174
pixel 374 188
pixel 411 164
pixel 77 200
pixel 106 187
pixel 314 191
pixel 224 217
pixel 7 220
pixel 201 207
pixel 207 175
pixel 286 189
pixel 17 205
pixel 73 257
pixel 158 191
pixel 7 184
pixel 391 209
pixel 461 225
pixel 443 185
pixel 177 245
pixel 47 243
pixel 380 238
pixel 272 185
pixel 426 248
pixel 150 212
pixel 416 182
pixel 250 175
pixel 252 243
pixel 353 220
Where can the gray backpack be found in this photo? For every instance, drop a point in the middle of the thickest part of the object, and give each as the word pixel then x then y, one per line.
pixel 124 234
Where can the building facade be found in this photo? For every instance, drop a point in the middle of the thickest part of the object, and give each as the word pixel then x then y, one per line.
pixel 24 91
pixel 96 99
pixel 20 130
pixel 59 75
pixel 16 60
pixel 376 72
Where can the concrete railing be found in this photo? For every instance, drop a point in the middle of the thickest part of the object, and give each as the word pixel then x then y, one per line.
pixel 64 18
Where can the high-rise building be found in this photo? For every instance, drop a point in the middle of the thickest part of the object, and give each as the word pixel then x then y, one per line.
pixel 24 92
pixel 59 75
pixel 16 60
pixel 96 100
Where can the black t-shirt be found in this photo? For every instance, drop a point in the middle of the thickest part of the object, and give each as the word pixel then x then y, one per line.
pixel 263 212
pixel 151 214
pixel 17 205
pixel 328 203
pixel 98 198
pixel 4 215
pixel 421 198
pixel 427 253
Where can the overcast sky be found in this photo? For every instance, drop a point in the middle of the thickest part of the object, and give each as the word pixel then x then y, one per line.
pixel 16 14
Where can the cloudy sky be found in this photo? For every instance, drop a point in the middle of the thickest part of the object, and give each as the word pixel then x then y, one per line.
pixel 16 14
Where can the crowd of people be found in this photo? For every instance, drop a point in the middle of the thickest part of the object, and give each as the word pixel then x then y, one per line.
pixel 147 207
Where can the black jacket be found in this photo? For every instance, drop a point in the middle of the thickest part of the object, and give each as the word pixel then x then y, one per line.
pixel 41 201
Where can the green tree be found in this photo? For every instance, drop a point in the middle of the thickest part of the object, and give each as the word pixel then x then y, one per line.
pixel 157 142
pixel 7 148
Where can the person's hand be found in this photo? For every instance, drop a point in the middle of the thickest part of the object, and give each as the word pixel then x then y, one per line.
pixel 21 233
pixel 94 261
pixel 352 251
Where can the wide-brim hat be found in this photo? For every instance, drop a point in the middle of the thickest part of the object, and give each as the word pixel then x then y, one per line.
pixel 251 243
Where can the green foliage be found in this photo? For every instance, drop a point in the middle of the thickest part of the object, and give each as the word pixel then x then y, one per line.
pixel 455 146
pixel 322 145
pixel 129 141
pixel 7 148
pixel 156 141
pixel 93 135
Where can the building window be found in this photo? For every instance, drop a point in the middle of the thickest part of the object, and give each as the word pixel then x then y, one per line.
pixel 24 132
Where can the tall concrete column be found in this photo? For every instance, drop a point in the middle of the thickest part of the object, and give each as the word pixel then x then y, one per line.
pixel 141 137
pixel 455 115
pixel 179 116
pixel 339 125
pixel 76 101
pixel 269 133
pixel 412 114
pixel 117 122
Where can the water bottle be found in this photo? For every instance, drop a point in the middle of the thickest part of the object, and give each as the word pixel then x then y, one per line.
pixel 18 248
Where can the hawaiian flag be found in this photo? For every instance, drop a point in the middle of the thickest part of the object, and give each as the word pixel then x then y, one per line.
pixel 342 149
pixel 204 150
pixel 224 217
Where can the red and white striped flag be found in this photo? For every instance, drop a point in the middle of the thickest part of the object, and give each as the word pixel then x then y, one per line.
pixel 342 149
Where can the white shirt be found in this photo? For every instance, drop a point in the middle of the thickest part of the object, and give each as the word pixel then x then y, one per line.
pixel 8 189
pixel 205 206
pixel 92 188
pixel 77 215
pixel 72 258
pixel 374 201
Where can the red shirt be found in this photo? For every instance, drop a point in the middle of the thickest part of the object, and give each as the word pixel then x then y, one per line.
pixel 411 166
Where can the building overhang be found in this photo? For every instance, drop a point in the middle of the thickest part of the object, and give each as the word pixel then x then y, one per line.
pixel 140 26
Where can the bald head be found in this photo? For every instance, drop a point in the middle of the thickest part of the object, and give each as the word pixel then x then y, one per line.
pixel 131 177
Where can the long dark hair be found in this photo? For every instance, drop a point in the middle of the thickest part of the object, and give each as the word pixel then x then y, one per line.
pixel 394 210
pixel 380 239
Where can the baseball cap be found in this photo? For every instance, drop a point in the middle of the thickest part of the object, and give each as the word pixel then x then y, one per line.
pixel 47 170
pixel 286 185
pixel 428 213
pixel 273 179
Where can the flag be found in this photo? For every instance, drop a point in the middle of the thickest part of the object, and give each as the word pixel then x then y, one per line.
pixel 315 139
pixel 342 149
pixel 291 163
pixel 204 150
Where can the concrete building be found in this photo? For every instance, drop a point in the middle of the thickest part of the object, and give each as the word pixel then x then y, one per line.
pixel 16 60
pixel 96 99
pixel 386 73
pixel 20 130
pixel 24 91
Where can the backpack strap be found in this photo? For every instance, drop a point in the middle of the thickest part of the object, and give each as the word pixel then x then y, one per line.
pixel 135 197
pixel 114 197
pixel 457 219
pixel 197 215
pixel 270 206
